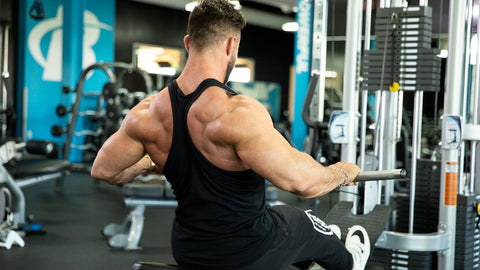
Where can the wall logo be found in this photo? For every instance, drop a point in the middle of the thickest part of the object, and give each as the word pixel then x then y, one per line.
pixel 52 62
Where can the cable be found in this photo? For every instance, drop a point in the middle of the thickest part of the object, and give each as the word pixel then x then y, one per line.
pixel 349 192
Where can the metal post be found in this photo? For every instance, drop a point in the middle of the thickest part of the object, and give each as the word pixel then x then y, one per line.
pixel 370 187
pixel 350 93
pixel 473 183
pixel 449 172
pixel 389 139
pixel 379 112
pixel 19 198
pixel 319 54
pixel 468 34
pixel 417 121
pixel 4 93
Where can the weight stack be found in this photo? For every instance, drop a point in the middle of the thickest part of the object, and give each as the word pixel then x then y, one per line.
pixel 426 221
pixel 397 259
pixel 403 52
pixel 467 238
pixel 427 196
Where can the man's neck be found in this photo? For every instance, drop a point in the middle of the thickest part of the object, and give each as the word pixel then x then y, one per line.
pixel 199 68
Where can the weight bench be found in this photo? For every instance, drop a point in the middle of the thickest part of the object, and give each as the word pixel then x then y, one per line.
pixel 138 196
pixel 32 169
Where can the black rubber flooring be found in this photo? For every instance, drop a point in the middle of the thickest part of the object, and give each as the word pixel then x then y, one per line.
pixel 74 218
pixel 73 221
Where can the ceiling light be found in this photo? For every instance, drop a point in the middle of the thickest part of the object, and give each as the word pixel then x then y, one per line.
pixel 240 74
pixel 236 4
pixel 290 27
pixel 191 5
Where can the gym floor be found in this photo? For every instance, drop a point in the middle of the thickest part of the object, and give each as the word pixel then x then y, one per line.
pixel 73 220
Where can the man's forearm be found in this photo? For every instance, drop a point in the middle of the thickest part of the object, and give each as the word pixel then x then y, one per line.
pixel 144 165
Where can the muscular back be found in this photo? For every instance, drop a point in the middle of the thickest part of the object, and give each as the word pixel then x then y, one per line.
pixel 209 123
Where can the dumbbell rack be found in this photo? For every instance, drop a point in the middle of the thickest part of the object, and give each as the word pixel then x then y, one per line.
pixel 74 113
pixel 97 115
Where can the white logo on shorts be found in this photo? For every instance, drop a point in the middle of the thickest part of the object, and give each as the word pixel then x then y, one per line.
pixel 318 224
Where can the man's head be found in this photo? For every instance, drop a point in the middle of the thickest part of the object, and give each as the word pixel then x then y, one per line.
pixel 212 22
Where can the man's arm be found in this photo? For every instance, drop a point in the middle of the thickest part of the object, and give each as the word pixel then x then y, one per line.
pixel 266 151
pixel 122 156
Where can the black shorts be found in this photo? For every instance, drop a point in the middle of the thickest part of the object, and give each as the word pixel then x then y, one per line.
pixel 302 238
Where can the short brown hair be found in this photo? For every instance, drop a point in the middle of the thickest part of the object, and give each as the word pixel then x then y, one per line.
pixel 212 21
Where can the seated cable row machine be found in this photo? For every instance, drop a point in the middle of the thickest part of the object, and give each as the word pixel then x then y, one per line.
pixel 435 225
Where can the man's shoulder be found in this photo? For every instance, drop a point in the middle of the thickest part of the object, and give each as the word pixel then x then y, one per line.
pixel 241 112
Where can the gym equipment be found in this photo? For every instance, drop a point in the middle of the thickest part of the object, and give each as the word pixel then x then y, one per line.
pixel 115 112
pixel 113 103
pixel 374 222
pixel 62 111
pixel 312 111
pixel 8 237
pixel 58 131
pixel 146 191
pixel 27 171
pixel 446 194
pixel 109 90
pixel 15 174
pixel 7 111
pixel 381 175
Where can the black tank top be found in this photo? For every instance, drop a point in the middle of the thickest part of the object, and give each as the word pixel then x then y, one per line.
pixel 221 221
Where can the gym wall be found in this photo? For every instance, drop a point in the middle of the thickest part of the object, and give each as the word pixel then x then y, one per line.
pixel 138 22
pixel 52 53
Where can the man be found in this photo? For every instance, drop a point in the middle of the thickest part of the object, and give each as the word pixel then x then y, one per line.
pixel 211 143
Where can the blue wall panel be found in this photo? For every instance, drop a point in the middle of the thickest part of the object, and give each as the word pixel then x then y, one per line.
pixel 47 63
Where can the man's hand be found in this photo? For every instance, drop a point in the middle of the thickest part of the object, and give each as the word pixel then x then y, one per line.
pixel 350 169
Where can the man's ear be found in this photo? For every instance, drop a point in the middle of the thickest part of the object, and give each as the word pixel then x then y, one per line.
pixel 186 42
pixel 231 45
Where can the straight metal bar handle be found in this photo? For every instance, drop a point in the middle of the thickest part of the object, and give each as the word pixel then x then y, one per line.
pixel 381 175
